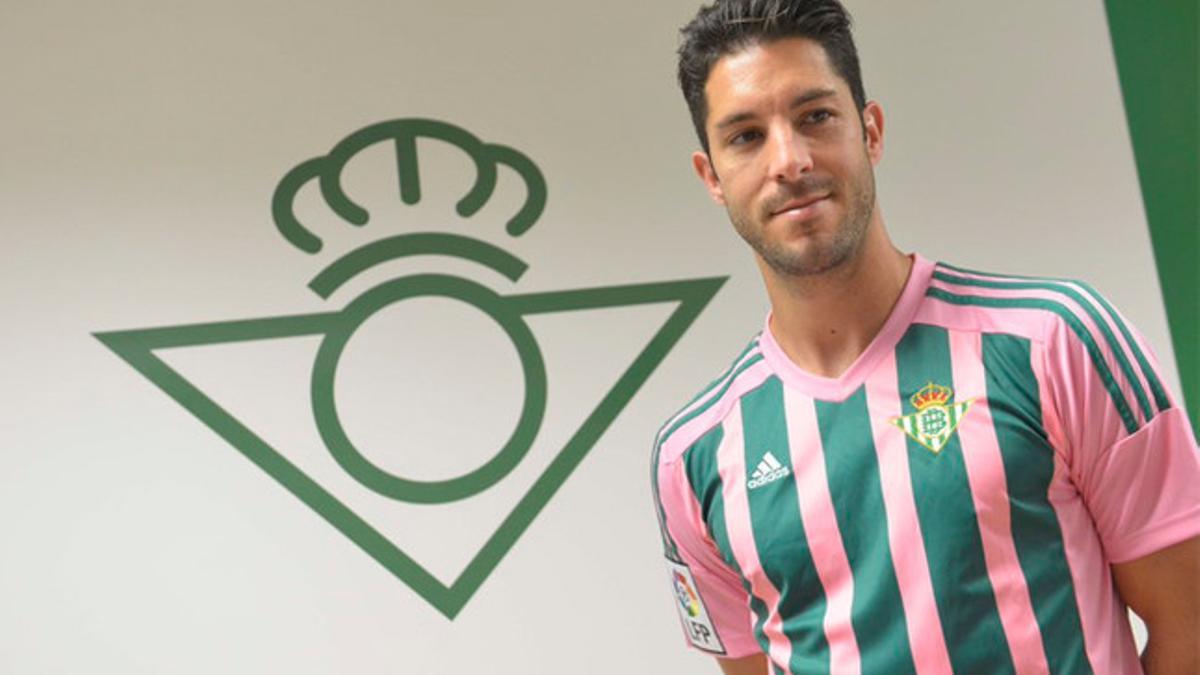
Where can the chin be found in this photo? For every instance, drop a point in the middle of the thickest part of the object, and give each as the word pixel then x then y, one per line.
pixel 807 259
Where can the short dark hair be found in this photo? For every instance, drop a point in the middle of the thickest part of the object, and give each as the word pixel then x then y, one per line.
pixel 727 26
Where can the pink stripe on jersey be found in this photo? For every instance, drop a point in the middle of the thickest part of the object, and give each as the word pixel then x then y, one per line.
pixel 677 443
pixel 1107 638
pixel 821 528
pixel 731 466
pixel 720 589
pixel 712 392
pixel 925 635
pixel 989 492
pixel 1056 433
pixel 1030 324
pixel 1123 383
pixel 1090 297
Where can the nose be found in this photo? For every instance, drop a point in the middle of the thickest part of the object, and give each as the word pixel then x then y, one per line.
pixel 790 155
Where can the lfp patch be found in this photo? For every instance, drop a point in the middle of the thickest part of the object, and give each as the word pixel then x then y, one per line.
pixel 697 625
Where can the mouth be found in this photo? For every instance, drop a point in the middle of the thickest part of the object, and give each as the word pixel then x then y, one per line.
pixel 800 208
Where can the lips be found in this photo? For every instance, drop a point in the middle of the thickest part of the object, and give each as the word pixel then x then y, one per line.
pixel 799 207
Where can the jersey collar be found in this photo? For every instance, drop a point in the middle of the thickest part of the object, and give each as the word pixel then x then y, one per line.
pixel 839 388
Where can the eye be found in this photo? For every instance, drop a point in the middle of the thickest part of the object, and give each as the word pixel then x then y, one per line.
pixel 818 116
pixel 745 137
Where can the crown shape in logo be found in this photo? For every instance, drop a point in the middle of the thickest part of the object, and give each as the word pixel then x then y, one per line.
pixel 930 395
pixel 326 171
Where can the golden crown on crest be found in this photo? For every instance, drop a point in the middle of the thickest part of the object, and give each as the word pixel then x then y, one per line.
pixel 930 395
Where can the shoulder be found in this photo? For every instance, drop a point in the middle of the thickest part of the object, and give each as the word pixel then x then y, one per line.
pixel 1085 338
pixel 708 408
pixel 1038 307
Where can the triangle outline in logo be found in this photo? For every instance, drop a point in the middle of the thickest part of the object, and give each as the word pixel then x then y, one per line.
pixel 137 346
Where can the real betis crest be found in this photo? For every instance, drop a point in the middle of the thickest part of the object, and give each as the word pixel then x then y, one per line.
pixel 936 418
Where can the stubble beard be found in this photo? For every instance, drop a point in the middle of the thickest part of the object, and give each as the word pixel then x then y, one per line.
pixel 820 255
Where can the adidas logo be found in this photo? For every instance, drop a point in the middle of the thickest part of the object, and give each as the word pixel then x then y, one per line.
pixel 769 470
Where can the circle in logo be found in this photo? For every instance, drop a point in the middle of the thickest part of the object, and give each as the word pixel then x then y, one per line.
pixel 440 491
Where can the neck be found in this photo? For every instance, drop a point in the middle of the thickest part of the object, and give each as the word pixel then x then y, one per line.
pixel 823 322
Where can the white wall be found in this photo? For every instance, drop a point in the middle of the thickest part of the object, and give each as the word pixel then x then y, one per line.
pixel 141 145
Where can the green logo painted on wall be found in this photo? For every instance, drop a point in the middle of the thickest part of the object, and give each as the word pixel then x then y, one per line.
pixel 335 328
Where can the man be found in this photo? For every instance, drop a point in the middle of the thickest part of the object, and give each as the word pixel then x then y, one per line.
pixel 914 467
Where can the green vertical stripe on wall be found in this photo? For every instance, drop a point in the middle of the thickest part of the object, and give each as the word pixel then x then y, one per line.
pixel 1157 52
pixel 779 534
pixel 852 470
pixel 966 603
pixel 1013 398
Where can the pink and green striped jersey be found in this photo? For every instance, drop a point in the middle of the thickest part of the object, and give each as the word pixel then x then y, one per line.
pixel 950 504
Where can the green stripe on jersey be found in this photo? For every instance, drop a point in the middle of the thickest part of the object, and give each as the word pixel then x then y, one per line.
pixel 1106 376
pixel 853 473
pixel 1012 393
pixel 966 601
pixel 779 534
pixel 1114 345
pixel 700 463
pixel 1161 400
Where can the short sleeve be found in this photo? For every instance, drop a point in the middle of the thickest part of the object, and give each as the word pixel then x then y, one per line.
pixel 1131 451
pixel 713 606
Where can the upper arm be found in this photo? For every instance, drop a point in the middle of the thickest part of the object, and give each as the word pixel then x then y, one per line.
pixel 755 664
pixel 1163 588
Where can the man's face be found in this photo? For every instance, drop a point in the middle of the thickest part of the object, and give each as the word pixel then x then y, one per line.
pixel 791 158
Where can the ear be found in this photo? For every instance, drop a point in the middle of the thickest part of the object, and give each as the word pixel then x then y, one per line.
pixel 872 117
pixel 708 175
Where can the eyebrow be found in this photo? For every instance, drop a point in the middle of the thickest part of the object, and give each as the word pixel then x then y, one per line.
pixel 805 98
